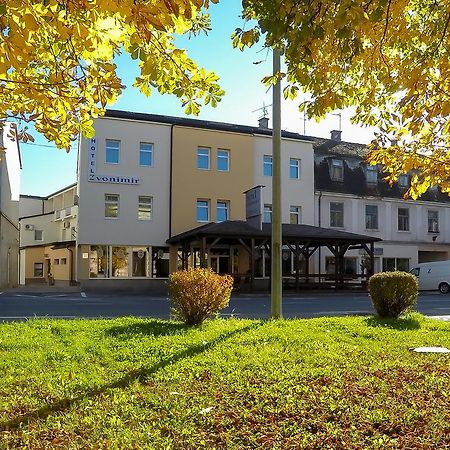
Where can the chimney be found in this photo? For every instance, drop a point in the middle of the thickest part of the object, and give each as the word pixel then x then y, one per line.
pixel 336 135
pixel 263 122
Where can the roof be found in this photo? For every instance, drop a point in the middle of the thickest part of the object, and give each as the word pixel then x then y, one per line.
pixel 70 186
pixel 240 228
pixel 202 124
pixel 335 147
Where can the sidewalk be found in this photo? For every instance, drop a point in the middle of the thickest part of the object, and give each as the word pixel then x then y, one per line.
pixel 43 288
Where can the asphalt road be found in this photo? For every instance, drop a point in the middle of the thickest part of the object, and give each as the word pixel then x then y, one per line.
pixel 15 305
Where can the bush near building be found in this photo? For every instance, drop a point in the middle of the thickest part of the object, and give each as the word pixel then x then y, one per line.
pixel 393 293
pixel 196 294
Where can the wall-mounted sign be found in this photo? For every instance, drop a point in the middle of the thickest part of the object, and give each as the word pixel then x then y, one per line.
pixel 254 206
pixel 94 177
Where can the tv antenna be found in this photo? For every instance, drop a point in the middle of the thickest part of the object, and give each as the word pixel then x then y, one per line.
pixel 265 113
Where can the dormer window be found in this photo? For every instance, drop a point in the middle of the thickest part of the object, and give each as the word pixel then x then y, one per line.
pixel 403 180
pixel 337 170
pixel 433 221
pixel 372 174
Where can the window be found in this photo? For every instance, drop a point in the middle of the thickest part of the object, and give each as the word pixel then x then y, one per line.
pixel 203 158
pixel 371 217
pixel 372 174
pixel 391 264
pixel 433 221
pixel 222 211
pixel 267 166
pixel 223 160
pixel 119 262
pixel 336 215
pixel 111 205
pixel 337 170
pixel 145 208
pixel 267 214
pixel 415 271
pixel 63 261
pixel 202 210
pixel 38 235
pixel 38 269
pixel 295 214
pixel 403 180
pixel 56 262
pixel 99 259
pixel 112 151
pixel 294 168
pixel 403 219
pixel 139 262
pixel 145 154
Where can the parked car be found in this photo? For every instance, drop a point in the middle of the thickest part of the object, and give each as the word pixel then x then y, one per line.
pixel 433 276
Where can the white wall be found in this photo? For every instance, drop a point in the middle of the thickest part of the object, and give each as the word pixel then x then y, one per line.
pixel 51 230
pixel 30 206
pixel 93 227
pixel 394 244
pixel 293 192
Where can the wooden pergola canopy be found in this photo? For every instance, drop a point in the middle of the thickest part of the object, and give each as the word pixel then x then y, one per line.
pixel 302 240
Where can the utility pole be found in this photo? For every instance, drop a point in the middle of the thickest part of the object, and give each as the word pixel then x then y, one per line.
pixel 276 275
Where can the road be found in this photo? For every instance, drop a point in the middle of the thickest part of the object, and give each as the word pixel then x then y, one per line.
pixel 16 305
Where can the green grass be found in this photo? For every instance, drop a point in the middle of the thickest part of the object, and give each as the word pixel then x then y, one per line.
pixel 330 383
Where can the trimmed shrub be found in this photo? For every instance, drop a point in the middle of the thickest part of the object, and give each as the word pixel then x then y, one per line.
pixel 393 293
pixel 196 294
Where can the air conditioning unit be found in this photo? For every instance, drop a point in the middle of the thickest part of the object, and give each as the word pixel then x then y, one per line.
pixel 66 224
pixel 29 227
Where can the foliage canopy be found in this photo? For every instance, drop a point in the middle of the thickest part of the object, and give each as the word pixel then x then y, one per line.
pixel 388 58
pixel 57 59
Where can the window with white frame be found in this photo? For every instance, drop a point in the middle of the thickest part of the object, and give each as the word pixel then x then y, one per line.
pixel 202 210
pixel 336 215
pixel 38 235
pixel 222 210
pixel 203 158
pixel 111 205
pixel 372 174
pixel 433 221
pixel 295 214
pixel 145 207
pixel 403 219
pixel 403 180
pixel 112 151
pixel 223 160
pixel 371 217
pixel 267 165
pixel 267 218
pixel 337 170
pixel 294 168
pixel 145 154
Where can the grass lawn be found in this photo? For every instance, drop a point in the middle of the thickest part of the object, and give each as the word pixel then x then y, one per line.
pixel 330 383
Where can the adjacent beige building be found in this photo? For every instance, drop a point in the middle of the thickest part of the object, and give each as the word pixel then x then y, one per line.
pixel 10 166
pixel 48 232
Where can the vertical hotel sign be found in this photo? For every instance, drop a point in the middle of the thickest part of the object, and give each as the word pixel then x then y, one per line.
pixel 95 177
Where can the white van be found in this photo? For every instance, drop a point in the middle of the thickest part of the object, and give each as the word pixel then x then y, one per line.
pixel 433 275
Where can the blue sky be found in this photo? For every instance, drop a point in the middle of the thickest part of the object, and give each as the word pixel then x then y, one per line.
pixel 46 169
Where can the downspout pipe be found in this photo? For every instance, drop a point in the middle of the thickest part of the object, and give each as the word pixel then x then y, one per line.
pixel 170 180
pixel 71 266
pixel 320 224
